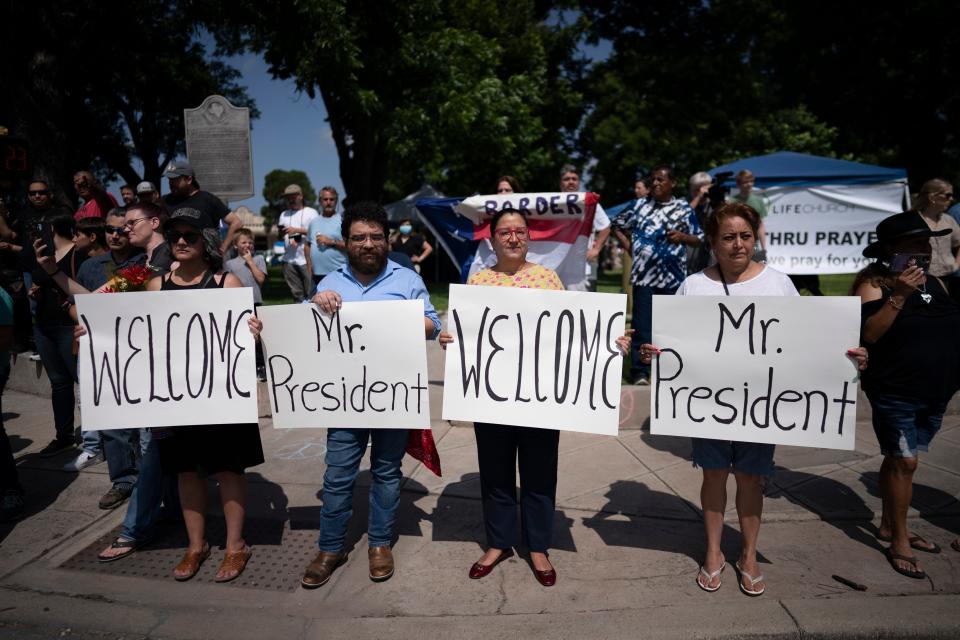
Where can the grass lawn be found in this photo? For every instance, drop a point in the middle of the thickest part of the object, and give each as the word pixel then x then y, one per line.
pixel 275 289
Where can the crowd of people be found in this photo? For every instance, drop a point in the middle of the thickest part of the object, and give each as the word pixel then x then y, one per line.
pixel 700 246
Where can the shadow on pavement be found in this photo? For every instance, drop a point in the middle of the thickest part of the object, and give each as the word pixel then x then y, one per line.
pixel 458 517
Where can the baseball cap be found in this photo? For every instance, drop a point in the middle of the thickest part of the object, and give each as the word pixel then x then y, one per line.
pixel 145 187
pixel 175 169
pixel 191 216
pixel 292 190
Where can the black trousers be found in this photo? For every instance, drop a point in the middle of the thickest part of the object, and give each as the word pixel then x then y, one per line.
pixel 8 468
pixel 499 448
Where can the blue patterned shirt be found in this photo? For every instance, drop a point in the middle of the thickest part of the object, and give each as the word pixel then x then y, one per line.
pixel 657 262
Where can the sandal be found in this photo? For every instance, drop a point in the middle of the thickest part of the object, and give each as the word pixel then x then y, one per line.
pixel 120 543
pixel 710 575
pixel 915 541
pixel 916 573
pixel 234 561
pixel 753 581
pixel 190 563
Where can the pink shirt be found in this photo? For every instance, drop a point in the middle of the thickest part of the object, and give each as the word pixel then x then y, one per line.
pixel 90 209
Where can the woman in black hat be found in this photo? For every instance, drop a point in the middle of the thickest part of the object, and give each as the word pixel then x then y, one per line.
pixel 911 328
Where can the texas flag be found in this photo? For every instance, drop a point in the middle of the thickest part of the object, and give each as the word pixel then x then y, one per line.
pixel 560 225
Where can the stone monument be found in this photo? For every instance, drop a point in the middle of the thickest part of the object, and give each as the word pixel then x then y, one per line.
pixel 218 147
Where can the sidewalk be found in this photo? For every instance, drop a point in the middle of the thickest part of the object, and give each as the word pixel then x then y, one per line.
pixel 628 540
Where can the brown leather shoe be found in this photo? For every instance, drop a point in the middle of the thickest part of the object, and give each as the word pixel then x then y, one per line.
pixel 381 563
pixel 319 571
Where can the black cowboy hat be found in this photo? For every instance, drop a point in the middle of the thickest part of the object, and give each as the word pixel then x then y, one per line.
pixel 908 224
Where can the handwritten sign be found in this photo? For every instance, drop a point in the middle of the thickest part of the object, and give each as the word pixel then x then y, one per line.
pixel 363 367
pixel 534 358
pixel 756 369
pixel 166 358
pixel 535 206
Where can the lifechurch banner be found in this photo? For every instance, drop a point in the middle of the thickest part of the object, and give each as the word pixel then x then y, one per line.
pixel 756 369
pixel 824 229
pixel 534 358
pixel 166 358
pixel 362 367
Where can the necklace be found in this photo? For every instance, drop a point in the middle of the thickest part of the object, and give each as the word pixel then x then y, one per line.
pixel 926 297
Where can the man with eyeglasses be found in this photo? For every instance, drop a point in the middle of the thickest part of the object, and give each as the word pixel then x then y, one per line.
pixel 368 275
pixel 118 446
pixel 143 224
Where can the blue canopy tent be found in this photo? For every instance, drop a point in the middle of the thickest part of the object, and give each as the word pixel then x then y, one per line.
pixel 801 170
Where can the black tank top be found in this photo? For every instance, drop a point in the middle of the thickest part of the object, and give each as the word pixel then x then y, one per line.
pixel 209 281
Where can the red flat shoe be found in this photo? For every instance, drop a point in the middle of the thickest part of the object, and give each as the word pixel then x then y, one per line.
pixel 547 578
pixel 478 570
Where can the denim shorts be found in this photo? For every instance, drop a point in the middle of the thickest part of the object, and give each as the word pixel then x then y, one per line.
pixel 904 425
pixel 753 458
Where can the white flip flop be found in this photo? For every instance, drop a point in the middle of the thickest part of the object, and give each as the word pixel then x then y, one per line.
pixel 753 581
pixel 710 575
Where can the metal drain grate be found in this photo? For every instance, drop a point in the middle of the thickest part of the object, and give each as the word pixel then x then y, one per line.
pixel 279 555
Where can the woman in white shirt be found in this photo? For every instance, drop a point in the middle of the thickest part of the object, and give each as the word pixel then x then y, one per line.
pixel 732 232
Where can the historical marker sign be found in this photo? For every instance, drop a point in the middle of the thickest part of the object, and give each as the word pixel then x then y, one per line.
pixel 218 147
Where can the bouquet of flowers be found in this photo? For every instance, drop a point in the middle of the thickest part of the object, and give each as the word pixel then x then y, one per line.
pixel 132 278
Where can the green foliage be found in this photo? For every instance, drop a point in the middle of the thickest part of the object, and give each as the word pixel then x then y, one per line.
pixel 104 85
pixel 696 84
pixel 449 92
pixel 273 185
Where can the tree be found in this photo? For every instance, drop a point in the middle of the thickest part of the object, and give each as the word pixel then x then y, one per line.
pixel 104 85
pixel 696 84
pixel 273 185
pixel 446 92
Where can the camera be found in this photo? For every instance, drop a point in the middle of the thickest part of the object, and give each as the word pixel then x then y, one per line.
pixel 717 194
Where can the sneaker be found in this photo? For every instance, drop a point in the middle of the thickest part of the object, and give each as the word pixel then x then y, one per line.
pixel 35 357
pixel 116 496
pixel 57 445
pixel 11 505
pixel 84 460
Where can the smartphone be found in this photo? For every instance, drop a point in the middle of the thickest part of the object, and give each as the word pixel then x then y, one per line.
pixel 901 261
pixel 44 232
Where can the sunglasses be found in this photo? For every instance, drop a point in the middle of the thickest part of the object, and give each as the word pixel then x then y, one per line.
pixel 190 237
pixel 41 192
pixel 948 196
pixel 112 230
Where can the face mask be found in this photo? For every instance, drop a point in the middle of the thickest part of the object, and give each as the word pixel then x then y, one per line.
pixel 405 228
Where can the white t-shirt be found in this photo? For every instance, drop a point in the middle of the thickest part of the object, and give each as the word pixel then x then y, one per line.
pixel 768 282
pixel 289 218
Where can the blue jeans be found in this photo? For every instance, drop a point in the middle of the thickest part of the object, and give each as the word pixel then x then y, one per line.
pixel 120 450
pixel 152 489
pixel 55 346
pixel 642 323
pixel 91 442
pixel 345 448
pixel 905 426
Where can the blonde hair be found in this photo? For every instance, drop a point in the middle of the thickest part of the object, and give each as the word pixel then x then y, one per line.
pixel 929 188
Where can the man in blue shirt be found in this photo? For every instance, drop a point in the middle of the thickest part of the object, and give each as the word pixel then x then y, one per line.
pixel 325 250
pixel 661 228
pixel 368 275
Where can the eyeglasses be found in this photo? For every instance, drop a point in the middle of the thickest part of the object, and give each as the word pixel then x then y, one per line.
pixel 372 237
pixel 132 223
pixel 504 234
pixel 41 192
pixel 112 230
pixel 190 237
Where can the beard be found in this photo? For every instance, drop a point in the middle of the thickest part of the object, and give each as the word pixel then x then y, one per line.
pixel 360 264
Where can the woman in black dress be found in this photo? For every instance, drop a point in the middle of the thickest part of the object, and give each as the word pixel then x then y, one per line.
pixel 412 244
pixel 224 451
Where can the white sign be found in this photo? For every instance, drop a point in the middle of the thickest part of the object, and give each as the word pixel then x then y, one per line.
pixel 535 206
pixel 534 358
pixel 756 369
pixel 821 230
pixel 166 358
pixel 363 367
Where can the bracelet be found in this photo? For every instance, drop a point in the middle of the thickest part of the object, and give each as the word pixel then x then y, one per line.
pixel 898 307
